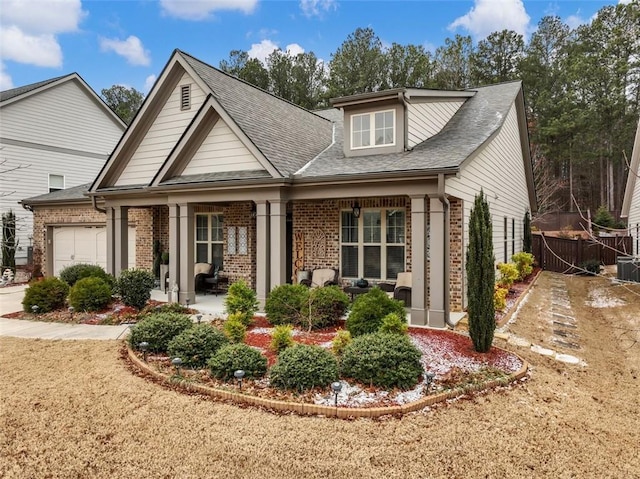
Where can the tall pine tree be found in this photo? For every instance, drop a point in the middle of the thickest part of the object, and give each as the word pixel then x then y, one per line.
pixel 481 276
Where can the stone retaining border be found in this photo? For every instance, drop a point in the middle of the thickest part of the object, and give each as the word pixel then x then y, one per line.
pixel 321 410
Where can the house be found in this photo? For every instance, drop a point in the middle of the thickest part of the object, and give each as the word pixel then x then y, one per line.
pixel 631 202
pixel 222 172
pixel 54 135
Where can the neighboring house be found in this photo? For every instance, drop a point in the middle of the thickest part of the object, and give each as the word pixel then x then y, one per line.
pixel 631 203
pixel 222 172
pixel 54 135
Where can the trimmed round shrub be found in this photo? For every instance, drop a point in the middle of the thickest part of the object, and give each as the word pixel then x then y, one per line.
pixel 327 305
pixel 90 294
pixel 383 360
pixel 72 274
pixel 392 323
pixel 368 310
pixel 134 287
pixel 234 329
pixel 282 338
pixel 303 367
pixel 48 294
pixel 524 263
pixel 342 339
pixel 241 299
pixel 232 357
pixel 285 302
pixel 197 344
pixel 158 329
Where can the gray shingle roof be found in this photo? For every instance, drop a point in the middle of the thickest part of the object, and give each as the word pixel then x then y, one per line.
pixel 287 135
pixel 69 194
pixel 218 176
pixel 470 127
pixel 21 90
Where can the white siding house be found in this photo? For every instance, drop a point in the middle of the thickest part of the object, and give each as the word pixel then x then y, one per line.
pixel 54 134
pixel 631 204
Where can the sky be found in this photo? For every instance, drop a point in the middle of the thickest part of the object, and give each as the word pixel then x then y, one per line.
pixel 128 42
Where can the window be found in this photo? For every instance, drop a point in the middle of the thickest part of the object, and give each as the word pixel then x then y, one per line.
pixel 56 183
pixel 185 97
pixel 513 236
pixel 210 239
pixel 505 245
pixel 372 246
pixel 382 133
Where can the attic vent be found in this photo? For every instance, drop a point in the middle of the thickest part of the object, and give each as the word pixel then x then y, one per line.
pixel 185 97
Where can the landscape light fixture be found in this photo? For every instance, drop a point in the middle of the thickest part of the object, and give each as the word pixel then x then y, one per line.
pixel 199 318
pixel 336 387
pixel 71 310
pixel 177 362
pixel 356 209
pixel 144 347
pixel 429 377
pixel 35 308
pixel 239 374
pixel 187 302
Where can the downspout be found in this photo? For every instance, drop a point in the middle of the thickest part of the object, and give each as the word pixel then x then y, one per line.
pixel 96 207
pixel 406 120
pixel 447 250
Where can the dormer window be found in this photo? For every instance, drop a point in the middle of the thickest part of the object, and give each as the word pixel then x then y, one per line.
pixel 363 135
pixel 185 97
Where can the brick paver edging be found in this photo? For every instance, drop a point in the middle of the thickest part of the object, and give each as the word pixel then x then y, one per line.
pixel 329 411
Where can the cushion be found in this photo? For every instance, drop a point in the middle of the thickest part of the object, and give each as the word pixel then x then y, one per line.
pixel 321 276
pixel 404 279
pixel 202 268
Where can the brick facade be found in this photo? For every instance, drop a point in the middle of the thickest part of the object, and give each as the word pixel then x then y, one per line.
pixel 456 252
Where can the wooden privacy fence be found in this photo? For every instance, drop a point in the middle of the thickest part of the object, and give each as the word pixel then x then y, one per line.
pixel 562 255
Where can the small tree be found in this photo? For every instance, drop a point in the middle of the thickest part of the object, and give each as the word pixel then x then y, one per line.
pixel 9 243
pixel 481 276
pixel 527 240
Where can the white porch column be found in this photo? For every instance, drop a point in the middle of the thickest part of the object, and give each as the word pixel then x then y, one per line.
pixel 437 261
pixel 121 238
pixel 110 241
pixel 262 251
pixel 278 218
pixel 419 260
pixel 187 258
pixel 174 246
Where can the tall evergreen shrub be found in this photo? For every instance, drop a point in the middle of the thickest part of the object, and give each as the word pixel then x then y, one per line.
pixel 527 240
pixel 481 276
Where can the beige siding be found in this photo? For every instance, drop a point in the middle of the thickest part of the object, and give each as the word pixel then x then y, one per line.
pixel 499 170
pixel 163 135
pixel 221 150
pixel 427 119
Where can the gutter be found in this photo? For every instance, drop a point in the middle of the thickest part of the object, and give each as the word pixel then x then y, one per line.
pixel 447 250
pixel 95 205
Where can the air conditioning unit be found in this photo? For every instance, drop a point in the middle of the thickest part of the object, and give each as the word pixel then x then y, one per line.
pixel 629 268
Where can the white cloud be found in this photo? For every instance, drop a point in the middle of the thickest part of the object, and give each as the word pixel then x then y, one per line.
pixel 29 29
pixel 574 21
pixel 263 49
pixel 131 49
pixel 148 83
pixel 294 49
pixel 316 8
pixel 201 9
pixel 6 83
pixel 489 16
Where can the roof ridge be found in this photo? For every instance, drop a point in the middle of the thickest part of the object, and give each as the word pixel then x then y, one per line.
pixel 21 90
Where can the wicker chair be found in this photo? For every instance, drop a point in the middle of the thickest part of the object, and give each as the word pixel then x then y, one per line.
pixel 321 277
pixel 402 291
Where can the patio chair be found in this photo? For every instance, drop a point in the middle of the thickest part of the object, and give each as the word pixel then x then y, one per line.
pixel 321 277
pixel 201 272
pixel 402 291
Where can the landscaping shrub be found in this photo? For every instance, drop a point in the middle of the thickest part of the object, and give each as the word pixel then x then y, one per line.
pixel 241 299
pixel 48 294
pixel 524 264
pixel 342 339
pixel 303 367
pixel 381 359
pixel 285 303
pixel 368 310
pixel 392 323
pixel 134 287
pixel 232 357
pixel 326 306
pixel 282 338
pixel 90 294
pixel 591 267
pixel 158 329
pixel 71 274
pixel 234 329
pixel 500 298
pixel 196 344
pixel 508 274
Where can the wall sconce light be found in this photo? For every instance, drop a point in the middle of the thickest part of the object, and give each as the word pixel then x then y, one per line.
pixel 254 211
pixel 356 209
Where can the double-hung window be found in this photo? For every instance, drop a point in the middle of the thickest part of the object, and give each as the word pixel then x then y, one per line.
pixel 373 129
pixel 56 182
pixel 373 245
pixel 210 239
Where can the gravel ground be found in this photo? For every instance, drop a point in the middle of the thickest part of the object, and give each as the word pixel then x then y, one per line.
pixel 72 409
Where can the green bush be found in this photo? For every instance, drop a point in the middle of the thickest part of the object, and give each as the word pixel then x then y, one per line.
pixel 384 360
pixel 524 264
pixel 591 267
pixel 326 306
pixel 603 219
pixel 158 329
pixel 48 294
pixel 303 367
pixel 71 274
pixel 234 329
pixel 509 273
pixel 368 310
pixel 134 287
pixel 90 294
pixel 232 357
pixel 282 338
pixel 500 297
pixel 342 339
pixel 241 299
pixel 196 344
pixel 393 323
pixel 285 303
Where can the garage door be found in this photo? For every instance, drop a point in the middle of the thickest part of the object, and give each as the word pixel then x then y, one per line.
pixel 85 244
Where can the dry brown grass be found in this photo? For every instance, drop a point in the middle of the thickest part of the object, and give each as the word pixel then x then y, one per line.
pixel 72 409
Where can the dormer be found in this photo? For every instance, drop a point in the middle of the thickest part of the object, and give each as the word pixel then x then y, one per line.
pixel 392 121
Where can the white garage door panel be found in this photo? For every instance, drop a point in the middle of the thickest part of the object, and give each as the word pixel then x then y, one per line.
pixel 81 244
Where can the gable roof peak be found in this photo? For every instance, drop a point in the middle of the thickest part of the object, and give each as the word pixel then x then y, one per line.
pixel 21 90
